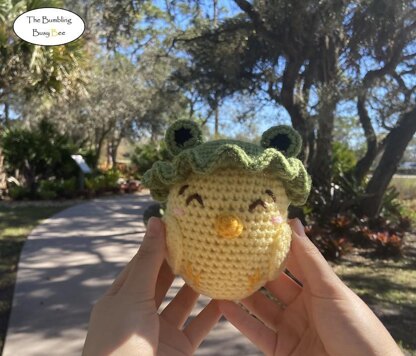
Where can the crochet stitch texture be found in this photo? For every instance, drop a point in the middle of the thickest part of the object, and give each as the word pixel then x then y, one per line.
pixel 226 207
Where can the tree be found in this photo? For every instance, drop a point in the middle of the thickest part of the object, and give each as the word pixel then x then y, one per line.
pixel 311 56
pixel 410 154
pixel 395 145
pixel 27 70
pixel 123 101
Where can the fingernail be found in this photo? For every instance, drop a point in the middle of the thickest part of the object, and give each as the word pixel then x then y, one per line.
pixel 298 227
pixel 154 227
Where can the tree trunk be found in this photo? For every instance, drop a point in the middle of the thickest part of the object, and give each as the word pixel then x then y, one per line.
pixel 114 154
pixel 6 114
pixel 114 150
pixel 396 143
pixel 98 149
pixel 311 142
pixel 3 177
pixel 287 98
pixel 109 154
pixel 30 178
pixel 216 113
pixel 321 167
pixel 214 25
pixel 154 133
pixel 364 164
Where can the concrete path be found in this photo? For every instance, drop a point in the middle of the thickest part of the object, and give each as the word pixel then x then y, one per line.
pixel 66 265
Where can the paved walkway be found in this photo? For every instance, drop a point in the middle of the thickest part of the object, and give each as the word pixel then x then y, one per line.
pixel 66 265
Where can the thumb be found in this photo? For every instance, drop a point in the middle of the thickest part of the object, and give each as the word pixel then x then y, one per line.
pixel 141 280
pixel 318 274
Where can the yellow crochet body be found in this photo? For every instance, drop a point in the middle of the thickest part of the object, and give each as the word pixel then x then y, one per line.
pixel 226 231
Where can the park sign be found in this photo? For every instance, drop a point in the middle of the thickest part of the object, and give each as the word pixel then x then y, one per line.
pixel 49 26
pixel 83 166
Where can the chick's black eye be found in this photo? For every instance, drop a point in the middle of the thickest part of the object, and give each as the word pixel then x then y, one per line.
pixel 256 203
pixel 196 197
pixel 183 188
pixel 271 194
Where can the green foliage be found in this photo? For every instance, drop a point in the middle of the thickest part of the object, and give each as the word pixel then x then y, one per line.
pixel 145 155
pixel 44 72
pixel 102 182
pixel 19 193
pixel 391 207
pixel 47 190
pixel 52 189
pixel 44 193
pixel 38 154
pixel 343 159
pixel 337 223
pixel 409 210
pixel 43 157
pixel 345 195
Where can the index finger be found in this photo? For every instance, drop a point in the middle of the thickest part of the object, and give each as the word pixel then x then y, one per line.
pixel 142 277
pixel 316 272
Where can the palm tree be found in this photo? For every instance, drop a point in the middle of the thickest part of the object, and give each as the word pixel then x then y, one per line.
pixel 27 69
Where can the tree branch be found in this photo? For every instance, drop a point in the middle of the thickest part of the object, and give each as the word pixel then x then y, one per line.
pixel 364 164
pixel 258 22
pixel 251 12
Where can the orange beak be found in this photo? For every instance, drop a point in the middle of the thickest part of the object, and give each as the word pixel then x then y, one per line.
pixel 228 226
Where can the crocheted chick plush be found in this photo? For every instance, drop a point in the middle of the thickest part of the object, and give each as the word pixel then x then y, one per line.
pixel 226 207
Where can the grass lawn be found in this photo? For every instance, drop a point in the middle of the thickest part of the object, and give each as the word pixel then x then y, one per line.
pixel 15 225
pixel 406 186
pixel 388 287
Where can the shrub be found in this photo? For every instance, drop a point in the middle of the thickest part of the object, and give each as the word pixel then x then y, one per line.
pixel 103 182
pixel 38 154
pixel 346 195
pixel 388 245
pixel 145 155
pixel 46 194
pixel 19 193
pixel 332 244
pixel 63 188
pixel 68 188
pixel 391 207
pixel 336 221
pixel 408 211
pixel 387 241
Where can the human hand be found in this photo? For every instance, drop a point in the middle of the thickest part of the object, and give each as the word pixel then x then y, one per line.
pixel 324 317
pixel 125 321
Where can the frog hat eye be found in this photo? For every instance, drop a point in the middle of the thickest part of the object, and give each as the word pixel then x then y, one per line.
pixel 282 138
pixel 181 135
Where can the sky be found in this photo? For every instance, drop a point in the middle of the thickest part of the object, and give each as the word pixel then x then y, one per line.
pixel 267 113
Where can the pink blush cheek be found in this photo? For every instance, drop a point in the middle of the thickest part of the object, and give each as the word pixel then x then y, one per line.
pixel 276 220
pixel 178 211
